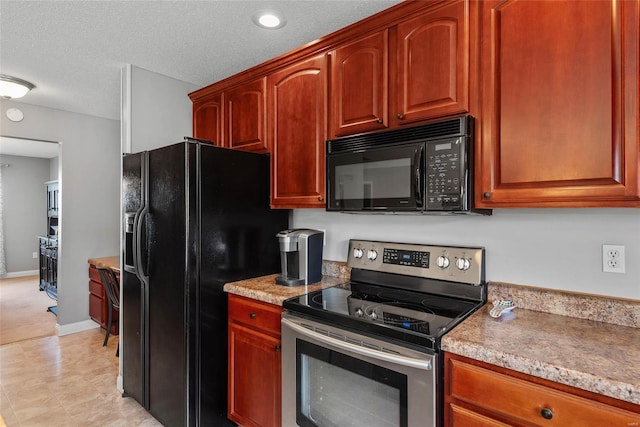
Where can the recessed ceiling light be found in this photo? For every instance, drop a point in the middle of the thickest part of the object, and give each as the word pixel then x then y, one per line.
pixel 270 19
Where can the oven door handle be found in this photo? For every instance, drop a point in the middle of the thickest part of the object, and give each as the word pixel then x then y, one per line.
pixel 343 345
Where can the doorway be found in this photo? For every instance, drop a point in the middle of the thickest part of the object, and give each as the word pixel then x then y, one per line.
pixel 27 169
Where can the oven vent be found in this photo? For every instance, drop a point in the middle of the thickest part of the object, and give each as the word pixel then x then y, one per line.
pixel 455 127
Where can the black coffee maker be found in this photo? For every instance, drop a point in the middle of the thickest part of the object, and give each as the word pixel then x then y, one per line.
pixel 300 256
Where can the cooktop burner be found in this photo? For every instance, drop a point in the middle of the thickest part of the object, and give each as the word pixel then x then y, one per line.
pixel 408 293
pixel 407 316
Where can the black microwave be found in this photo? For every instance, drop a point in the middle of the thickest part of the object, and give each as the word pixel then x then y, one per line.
pixel 422 169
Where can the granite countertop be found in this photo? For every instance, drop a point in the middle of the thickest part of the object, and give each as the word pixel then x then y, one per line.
pixel 112 262
pixel 265 288
pixel 596 356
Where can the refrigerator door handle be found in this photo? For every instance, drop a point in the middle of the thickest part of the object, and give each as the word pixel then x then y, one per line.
pixel 140 270
pixel 141 220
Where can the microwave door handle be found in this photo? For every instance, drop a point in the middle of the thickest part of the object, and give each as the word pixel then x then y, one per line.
pixel 418 157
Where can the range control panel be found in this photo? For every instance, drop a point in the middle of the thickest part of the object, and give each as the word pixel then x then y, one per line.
pixel 452 263
pixel 404 257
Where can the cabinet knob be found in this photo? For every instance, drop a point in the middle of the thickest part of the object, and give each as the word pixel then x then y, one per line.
pixel 486 195
pixel 546 413
pixel 276 348
pixel 401 116
pixel 252 316
pixel 320 198
pixel 379 121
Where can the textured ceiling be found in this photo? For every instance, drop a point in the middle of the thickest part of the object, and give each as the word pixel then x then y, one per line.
pixel 73 51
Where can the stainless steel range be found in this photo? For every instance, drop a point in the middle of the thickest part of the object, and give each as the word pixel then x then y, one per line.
pixel 367 353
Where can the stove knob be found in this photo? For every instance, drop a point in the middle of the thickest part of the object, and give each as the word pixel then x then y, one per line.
pixel 359 312
pixel 373 315
pixel 463 264
pixel 358 253
pixel 372 255
pixel 443 261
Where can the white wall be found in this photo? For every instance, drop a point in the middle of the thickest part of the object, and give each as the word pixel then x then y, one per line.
pixel 89 189
pixel 549 248
pixel 53 169
pixel 156 110
pixel 24 201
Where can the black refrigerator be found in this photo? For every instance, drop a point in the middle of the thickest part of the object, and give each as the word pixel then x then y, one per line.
pixel 195 217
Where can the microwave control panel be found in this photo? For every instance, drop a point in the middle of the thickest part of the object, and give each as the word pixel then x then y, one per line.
pixel 446 176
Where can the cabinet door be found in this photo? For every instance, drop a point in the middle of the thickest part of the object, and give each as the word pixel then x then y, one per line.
pixel 207 119
pixel 95 307
pixel 359 85
pixel 560 104
pixel 433 64
pixel 297 131
pixel 254 378
pixel 245 117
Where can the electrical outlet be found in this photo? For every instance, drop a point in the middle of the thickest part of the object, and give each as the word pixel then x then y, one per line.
pixel 613 258
pixel 34 255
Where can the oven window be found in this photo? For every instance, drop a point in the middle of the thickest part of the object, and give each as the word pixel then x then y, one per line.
pixel 334 390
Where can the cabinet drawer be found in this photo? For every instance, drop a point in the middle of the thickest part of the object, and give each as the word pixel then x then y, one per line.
pixel 255 314
pixel 464 417
pixel 525 402
pixel 94 274
pixel 95 288
pixel 95 308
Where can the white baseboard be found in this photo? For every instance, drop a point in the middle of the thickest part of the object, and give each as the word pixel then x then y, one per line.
pixel 119 385
pixel 21 274
pixel 72 328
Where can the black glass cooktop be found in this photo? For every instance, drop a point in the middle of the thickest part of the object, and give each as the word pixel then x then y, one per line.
pixel 380 311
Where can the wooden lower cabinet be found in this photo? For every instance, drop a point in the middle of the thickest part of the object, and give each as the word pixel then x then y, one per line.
pixel 478 394
pixel 98 305
pixel 254 380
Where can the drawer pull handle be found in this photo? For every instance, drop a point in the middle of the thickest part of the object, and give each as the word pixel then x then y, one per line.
pixel 546 413
pixel 277 348
pixel 252 316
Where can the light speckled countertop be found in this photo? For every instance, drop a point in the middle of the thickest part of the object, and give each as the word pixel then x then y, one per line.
pixel 265 288
pixel 599 357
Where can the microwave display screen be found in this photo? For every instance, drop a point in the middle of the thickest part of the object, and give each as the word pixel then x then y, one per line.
pixel 383 179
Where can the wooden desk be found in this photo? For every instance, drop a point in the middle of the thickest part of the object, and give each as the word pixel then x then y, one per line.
pixel 98 305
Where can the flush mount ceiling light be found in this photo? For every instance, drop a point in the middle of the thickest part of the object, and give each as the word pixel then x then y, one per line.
pixel 13 87
pixel 270 19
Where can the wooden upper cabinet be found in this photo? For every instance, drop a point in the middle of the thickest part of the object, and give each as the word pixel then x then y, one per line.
pixel 359 91
pixel 297 98
pixel 432 77
pixel 245 116
pixel 207 119
pixel 559 124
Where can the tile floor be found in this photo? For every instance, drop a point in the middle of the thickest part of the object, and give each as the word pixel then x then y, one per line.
pixel 65 381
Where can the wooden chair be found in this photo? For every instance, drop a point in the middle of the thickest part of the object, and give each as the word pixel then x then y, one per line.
pixel 112 289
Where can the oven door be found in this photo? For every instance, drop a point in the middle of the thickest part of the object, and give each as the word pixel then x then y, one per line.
pixel 332 377
pixel 387 179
